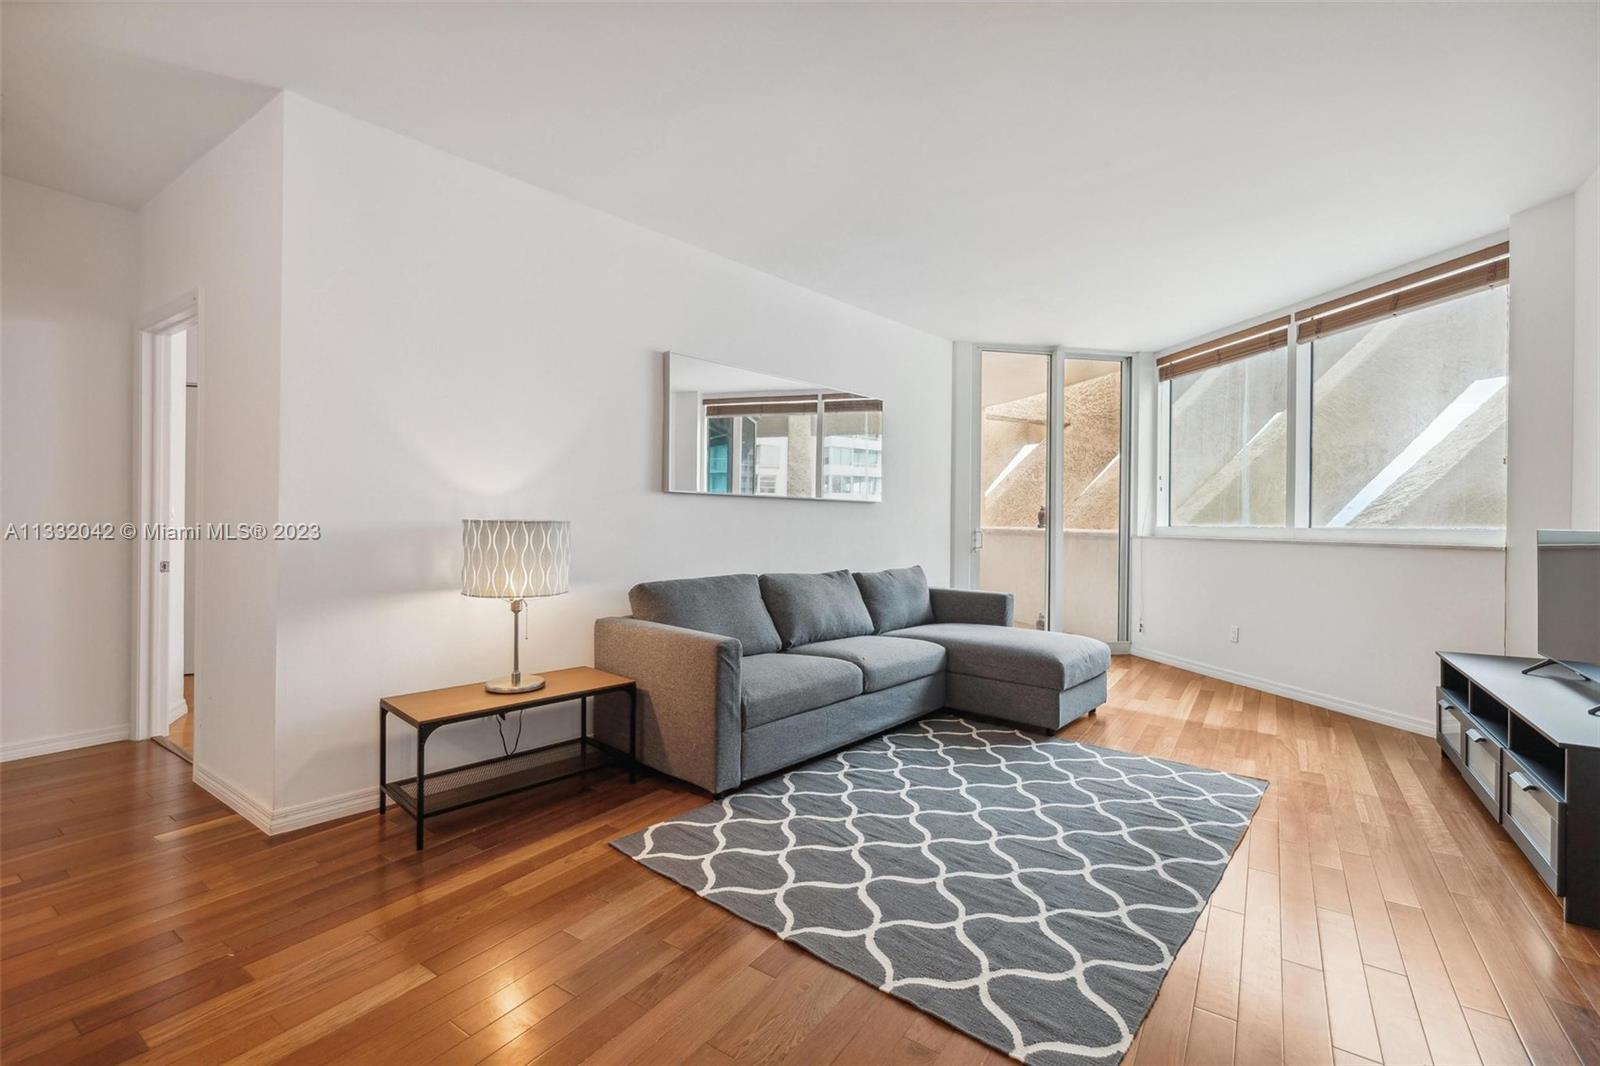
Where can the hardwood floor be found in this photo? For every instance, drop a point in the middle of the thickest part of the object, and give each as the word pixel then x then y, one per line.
pixel 1358 922
pixel 180 734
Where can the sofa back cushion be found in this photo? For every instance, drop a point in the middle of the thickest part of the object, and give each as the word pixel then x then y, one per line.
pixel 896 599
pixel 729 605
pixel 810 607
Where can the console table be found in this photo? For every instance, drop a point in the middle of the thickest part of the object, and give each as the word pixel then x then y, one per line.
pixel 1530 751
pixel 427 795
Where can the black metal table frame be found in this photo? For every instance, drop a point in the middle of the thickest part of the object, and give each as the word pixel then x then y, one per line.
pixel 390 790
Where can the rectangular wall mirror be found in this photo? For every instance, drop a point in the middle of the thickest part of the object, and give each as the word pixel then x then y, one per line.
pixel 738 432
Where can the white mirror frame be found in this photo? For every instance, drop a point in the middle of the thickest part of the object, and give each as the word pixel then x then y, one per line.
pixel 667 435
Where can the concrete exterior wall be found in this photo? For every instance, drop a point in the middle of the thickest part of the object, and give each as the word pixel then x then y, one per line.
pixel 1376 388
pixel 1229 443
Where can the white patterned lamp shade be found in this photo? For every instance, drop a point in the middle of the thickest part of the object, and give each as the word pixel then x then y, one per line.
pixel 512 559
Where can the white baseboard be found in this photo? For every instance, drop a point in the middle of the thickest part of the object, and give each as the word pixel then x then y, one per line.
pixel 177 711
pixel 1381 715
pixel 286 819
pixel 301 815
pixel 252 811
pixel 26 749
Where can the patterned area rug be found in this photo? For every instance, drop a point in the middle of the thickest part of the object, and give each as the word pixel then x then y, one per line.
pixel 1029 892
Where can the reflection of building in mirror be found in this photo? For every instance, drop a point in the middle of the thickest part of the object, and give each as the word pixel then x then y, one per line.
pixel 738 432
pixel 852 448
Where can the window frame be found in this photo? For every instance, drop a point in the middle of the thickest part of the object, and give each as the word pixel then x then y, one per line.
pixel 1297 526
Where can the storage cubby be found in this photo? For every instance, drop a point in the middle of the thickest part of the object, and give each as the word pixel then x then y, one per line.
pixel 1539 757
pixel 1453 683
pixel 1489 714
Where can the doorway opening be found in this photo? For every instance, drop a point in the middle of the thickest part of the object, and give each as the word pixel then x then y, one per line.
pixel 168 542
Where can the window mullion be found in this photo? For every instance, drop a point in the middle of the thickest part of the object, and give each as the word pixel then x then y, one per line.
pixel 1163 516
pixel 1298 514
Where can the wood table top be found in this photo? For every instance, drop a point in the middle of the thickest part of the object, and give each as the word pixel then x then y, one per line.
pixel 474 701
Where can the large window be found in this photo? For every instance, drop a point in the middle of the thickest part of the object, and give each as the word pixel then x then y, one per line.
pixel 1408 419
pixel 1382 409
pixel 1229 443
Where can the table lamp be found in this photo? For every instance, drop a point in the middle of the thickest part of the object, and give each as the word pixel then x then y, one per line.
pixel 509 559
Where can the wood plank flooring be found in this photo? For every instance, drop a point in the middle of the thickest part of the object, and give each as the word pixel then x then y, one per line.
pixel 1373 913
pixel 180 733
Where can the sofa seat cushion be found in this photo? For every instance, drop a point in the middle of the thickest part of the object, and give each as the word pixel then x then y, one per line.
pixel 729 605
pixel 884 662
pixel 776 686
pixel 1027 656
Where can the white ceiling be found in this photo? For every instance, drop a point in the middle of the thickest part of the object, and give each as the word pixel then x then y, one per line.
pixel 1116 176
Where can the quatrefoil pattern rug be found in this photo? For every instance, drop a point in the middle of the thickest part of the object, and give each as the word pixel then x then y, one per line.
pixel 1029 892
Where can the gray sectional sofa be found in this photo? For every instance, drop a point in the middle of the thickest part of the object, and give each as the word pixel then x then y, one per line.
pixel 743 675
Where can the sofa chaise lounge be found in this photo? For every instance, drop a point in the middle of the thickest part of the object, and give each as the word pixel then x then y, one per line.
pixel 743 675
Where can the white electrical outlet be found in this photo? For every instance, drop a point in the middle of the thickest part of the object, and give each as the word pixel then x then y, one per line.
pixel 1233 634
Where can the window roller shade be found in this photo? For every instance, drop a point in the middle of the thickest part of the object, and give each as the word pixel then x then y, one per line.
pixel 1486 268
pixel 1240 344
pixel 851 405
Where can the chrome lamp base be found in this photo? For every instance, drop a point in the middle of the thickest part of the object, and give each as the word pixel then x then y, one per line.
pixel 515 683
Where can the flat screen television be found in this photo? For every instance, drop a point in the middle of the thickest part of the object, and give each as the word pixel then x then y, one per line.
pixel 1569 599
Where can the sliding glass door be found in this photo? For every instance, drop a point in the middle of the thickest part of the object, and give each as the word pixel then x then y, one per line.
pixel 1052 486
pixel 1092 500
pixel 1013 507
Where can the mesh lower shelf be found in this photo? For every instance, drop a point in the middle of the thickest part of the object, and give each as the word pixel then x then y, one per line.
pixel 465 785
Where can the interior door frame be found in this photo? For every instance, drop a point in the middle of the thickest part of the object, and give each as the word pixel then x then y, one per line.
pixel 154 590
pixel 966 553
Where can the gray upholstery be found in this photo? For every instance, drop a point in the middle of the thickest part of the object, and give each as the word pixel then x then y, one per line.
pixel 799 737
pixel 807 608
pixel 972 605
pixel 776 686
pixel 883 661
pixel 896 598
pixel 720 702
pixel 689 722
pixel 1011 701
pixel 730 605
pixel 1054 661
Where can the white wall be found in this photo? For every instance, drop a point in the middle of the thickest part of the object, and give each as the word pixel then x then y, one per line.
pixel 459 344
pixel 1586 356
pixel 70 300
pixel 1350 627
pixel 218 230
pixel 1539 446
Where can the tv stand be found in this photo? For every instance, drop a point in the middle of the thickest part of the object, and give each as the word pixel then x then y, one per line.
pixel 1528 747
